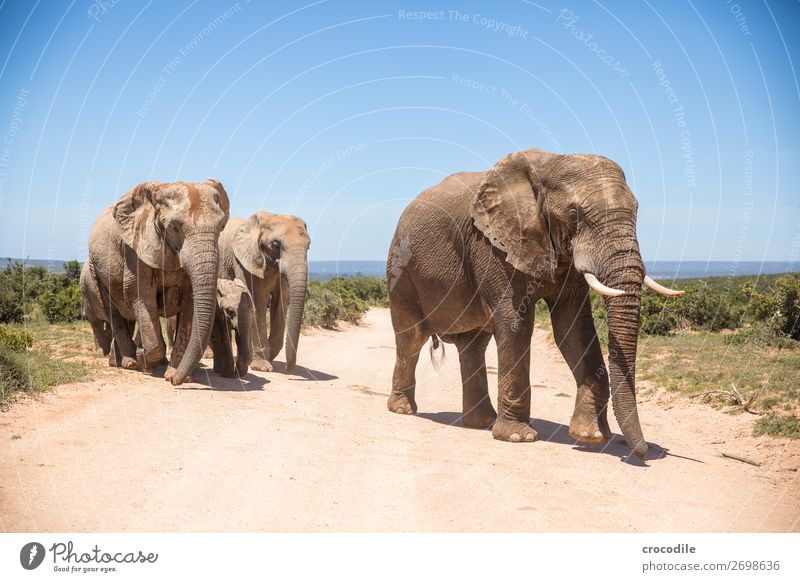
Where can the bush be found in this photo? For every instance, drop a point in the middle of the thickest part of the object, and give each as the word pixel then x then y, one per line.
pixel 329 303
pixel 15 341
pixel 707 308
pixel 33 371
pixel 780 306
pixel 26 292
pixel 370 290
pixel 658 316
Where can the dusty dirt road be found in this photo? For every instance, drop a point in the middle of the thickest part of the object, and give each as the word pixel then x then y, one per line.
pixel 319 451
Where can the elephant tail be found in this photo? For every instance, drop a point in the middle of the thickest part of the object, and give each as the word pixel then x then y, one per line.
pixel 437 352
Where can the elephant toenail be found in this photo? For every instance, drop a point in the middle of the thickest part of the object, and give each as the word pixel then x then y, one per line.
pixel 529 437
pixel 514 438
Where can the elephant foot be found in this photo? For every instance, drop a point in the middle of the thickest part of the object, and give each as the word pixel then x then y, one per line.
pixel 261 365
pixel 587 429
pixel 169 376
pixel 153 361
pixel 129 363
pixel 481 416
pixel 241 368
pixel 401 403
pixel 513 431
pixel 589 423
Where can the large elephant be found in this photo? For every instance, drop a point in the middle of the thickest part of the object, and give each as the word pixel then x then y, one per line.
pixel 153 254
pixel 269 253
pixel 472 255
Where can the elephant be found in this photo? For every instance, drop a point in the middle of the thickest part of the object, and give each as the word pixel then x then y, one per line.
pixel 154 253
pixel 471 256
pixel 269 253
pixel 234 313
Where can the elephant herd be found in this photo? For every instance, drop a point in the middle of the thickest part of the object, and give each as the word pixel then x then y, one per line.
pixel 169 250
pixel 469 259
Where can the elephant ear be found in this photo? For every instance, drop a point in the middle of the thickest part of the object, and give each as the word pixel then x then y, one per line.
pixel 135 214
pixel 246 247
pixel 508 210
pixel 222 198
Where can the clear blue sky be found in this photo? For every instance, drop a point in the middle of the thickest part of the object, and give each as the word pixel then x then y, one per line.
pixel 342 112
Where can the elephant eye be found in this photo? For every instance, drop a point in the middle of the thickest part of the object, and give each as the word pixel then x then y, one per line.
pixel 574 216
pixel 272 249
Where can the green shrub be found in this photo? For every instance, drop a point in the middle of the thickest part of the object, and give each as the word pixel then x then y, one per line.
pixel 33 371
pixel 31 293
pixel 708 308
pixel 12 374
pixel 15 341
pixel 370 290
pixel 658 315
pixel 777 426
pixel 329 303
pixel 779 307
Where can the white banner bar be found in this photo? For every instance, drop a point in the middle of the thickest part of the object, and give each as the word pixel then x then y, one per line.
pixel 387 557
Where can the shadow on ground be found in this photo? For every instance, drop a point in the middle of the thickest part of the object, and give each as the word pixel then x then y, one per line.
pixel 207 378
pixel 303 372
pixel 554 432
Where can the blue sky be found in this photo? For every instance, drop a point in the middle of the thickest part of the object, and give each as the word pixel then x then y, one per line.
pixel 341 112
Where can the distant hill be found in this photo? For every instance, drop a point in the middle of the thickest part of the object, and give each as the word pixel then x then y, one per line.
pixel 667 270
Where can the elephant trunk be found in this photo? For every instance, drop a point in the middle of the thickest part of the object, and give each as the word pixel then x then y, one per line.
pixel 199 259
pixel 623 335
pixel 294 265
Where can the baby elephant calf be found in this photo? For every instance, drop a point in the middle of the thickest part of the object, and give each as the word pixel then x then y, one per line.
pixel 235 312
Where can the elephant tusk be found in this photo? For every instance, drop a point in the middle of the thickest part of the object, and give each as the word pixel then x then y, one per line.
pixel 600 288
pixel 661 290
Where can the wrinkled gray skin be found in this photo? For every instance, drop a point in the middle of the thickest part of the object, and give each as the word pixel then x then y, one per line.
pixel 93 310
pixel 235 313
pixel 269 253
pixel 472 255
pixel 154 254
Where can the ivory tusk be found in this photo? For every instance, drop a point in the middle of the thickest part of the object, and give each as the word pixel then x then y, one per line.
pixel 660 289
pixel 600 288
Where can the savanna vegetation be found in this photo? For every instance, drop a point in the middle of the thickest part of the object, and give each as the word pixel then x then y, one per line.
pixel 343 299
pixel 31 300
pixel 732 342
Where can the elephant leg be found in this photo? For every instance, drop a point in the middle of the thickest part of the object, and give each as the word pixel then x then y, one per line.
pixel 123 351
pixel 102 335
pixel 261 354
pixel 183 330
pixel 221 346
pixel 576 337
pixel 409 339
pixel 142 295
pixel 478 411
pixel 244 343
pixel 513 336
pixel 171 325
pixel 277 318
pixel 243 352
pixel 153 350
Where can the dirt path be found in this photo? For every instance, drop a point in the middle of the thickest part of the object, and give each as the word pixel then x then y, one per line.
pixel 320 452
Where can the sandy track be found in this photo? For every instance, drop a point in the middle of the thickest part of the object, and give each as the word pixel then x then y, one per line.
pixel 320 452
